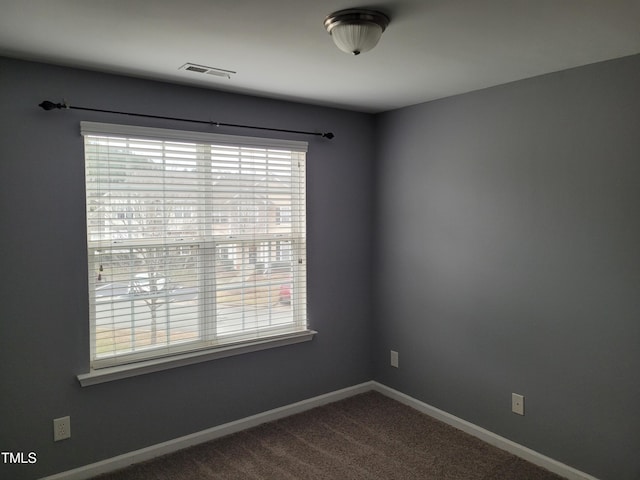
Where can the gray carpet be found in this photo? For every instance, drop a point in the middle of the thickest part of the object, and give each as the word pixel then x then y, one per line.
pixel 366 437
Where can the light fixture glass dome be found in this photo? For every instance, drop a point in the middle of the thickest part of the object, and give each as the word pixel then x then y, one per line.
pixel 356 30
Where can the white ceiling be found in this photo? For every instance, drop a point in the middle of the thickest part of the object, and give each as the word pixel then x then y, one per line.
pixel 431 49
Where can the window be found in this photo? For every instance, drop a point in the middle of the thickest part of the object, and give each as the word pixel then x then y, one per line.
pixel 186 243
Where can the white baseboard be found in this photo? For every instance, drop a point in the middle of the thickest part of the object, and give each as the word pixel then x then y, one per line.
pixel 148 453
pixel 485 435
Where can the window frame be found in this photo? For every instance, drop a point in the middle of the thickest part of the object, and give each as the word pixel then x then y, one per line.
pixel 122 366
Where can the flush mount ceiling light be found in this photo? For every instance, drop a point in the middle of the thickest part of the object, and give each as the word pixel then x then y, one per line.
pixel 356 30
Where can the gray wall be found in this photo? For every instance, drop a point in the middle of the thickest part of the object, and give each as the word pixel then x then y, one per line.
pixel 44 334
pixel 507 259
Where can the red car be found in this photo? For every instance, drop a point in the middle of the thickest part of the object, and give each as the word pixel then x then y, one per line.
pixel 285 294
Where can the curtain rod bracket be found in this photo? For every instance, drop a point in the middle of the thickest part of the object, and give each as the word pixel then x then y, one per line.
pixel 47 105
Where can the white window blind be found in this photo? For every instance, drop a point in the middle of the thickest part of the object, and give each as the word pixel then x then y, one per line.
pixel 195 241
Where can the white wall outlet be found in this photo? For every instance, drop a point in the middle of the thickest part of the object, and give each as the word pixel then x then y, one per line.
pixel 517 404
pixel 394 359
pixel 61 428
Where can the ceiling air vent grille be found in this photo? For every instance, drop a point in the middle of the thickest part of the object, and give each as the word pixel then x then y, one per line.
pixel 216 72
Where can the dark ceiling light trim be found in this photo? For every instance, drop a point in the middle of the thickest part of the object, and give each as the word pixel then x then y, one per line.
pixel 47 105
pixel 356 30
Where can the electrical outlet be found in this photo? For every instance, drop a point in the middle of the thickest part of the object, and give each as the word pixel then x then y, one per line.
pixel 517 404
pixel 394 359
pixel 61 428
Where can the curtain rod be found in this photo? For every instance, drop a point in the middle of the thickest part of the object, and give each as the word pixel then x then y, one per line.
pixel 47 105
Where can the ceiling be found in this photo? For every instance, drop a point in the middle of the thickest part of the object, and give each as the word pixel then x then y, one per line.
pixel 279 48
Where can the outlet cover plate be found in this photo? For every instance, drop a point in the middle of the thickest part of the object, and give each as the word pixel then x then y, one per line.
pixel 394 359
pixel 517 403
pixel 61 428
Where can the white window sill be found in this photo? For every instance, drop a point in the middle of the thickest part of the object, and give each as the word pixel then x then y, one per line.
pixel 110 374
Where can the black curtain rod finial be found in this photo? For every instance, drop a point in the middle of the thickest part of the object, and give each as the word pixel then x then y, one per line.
pixel 47 105
pixel 328 135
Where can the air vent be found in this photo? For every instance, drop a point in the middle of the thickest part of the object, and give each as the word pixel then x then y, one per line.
pixel 216 72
